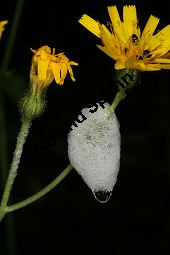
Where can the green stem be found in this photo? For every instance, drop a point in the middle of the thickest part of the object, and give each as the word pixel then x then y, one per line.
pixel 42 192
pixel 14 166
pixel 119 96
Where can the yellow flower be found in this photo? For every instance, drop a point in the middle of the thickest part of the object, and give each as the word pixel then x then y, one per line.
pixel 2 26
pixel 124 42
pixel 47 66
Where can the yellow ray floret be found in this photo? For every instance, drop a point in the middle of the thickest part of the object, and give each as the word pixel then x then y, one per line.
pixel 90 24
pixel 150 26
pixel 130 20
pixel 125 43
pixel 2 27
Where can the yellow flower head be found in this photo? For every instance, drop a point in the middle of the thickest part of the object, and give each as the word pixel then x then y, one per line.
pixel 125 43
pixel 2 26
pixel 47 66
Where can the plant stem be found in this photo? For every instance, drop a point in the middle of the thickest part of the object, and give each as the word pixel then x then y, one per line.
pixel 125 79
pixel 14 166
pixel 42 192
pixel 119 96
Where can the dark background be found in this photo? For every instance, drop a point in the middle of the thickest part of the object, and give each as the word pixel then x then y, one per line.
pixel 69 220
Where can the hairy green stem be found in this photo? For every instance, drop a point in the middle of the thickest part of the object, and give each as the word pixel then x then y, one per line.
pixel 14 166
pixel 119 96
pixel 42 192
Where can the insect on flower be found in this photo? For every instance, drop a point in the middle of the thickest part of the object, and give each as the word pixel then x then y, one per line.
pixel 125 43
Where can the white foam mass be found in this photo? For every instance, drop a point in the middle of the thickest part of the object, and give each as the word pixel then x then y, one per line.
pixel 94 148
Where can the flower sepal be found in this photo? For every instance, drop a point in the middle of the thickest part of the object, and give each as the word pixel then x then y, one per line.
pixel 33 105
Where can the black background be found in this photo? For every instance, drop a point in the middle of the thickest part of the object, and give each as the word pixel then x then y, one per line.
pixel 69 220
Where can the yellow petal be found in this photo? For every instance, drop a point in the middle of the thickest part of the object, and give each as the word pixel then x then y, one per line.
pixel 63 67
pixel 117 24
pixel 165 66
pixel 107 32
pixel 70 72
pixel 167 55
pixel 130 19
pixel 148 31
pixel 152 44
pixel 62 57
pixel 2 27
pixel 153 67
pixel 164 37
pixel 110 42
pixel 115 18
pixel 4 22
pixel 150 26
pixel 141 66
pixel 56 71
pixel 119 65
pixel 161 60
pixel 160 43
pixel 34 51
pixel 42 69
pixel 108 52
pixel 73 63
pixel 90 24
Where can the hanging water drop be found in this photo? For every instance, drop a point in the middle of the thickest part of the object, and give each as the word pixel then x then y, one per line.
pixel 102 195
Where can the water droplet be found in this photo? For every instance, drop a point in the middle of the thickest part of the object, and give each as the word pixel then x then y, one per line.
pixel 102 195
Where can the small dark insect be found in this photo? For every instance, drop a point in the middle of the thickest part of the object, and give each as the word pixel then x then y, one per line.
pixel 150 55
pixel 140 57
pixel 134 38
pixel 126 50
pixel 147 54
